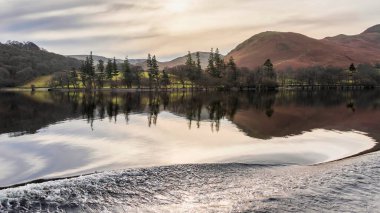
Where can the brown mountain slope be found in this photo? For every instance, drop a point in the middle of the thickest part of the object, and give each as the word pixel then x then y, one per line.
pixel 296 50
pixel 367 44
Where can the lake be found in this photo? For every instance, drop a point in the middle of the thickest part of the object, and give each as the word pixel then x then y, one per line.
pixel 62 134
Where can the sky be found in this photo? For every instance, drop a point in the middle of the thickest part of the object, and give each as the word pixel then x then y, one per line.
pixel 170 28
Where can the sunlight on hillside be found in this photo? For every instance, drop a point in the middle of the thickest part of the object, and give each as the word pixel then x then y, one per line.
pixel 41 81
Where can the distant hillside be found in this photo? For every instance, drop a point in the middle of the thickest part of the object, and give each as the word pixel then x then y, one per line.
pixel 22 62
pixel 287 49
pixel 181 60
pixel 105 59
pixel 142 62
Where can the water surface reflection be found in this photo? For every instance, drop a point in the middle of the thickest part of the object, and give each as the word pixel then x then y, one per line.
pixel 59 134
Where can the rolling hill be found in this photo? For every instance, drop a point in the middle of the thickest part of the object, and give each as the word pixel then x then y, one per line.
pixel 287 49
pixel 22 62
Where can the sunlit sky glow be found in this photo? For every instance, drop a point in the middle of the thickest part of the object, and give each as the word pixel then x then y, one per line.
pixel 169 28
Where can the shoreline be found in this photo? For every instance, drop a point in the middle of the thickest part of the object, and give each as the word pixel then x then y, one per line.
pixel 306 88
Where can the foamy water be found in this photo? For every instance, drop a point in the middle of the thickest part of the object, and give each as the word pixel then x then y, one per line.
pixel 351 185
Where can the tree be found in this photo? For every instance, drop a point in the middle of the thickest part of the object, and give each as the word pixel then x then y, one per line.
pixel 268 70
pixel 269 76
pixel 83 75
pixel 165 81
pixel 91 68
pixel 199 67
pixel 198 70
pixel 127 74
pixel 155 72
pixel 136 72
pixel 101 66
pixel 232 72
pixel 215 64
pixel 115 71
pixel 109 69
pixel 179 72
pixel 100 75
pixel 74 78
pixel 88 72
pixel 211 66
pixel 351 73
pixel 150 71
pixel 219 64
pixel 189 60
pixel 192 68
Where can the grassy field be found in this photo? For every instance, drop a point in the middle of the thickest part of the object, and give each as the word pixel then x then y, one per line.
pixel 41 81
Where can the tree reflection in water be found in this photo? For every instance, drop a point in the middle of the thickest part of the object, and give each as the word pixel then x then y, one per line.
pixel 262 115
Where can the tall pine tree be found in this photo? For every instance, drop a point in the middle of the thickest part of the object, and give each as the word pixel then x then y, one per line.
pixel 100 75
pixel 155 72
pixel 149 66
pixel 109 69
pixel 211 64
pixel 127 74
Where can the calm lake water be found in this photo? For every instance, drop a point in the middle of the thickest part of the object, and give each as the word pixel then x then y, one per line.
pixel 58 134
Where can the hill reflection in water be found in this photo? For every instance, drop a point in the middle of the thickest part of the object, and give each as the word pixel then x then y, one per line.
pixel 59 134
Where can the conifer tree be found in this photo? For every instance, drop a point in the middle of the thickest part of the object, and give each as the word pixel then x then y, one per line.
pixel 149 66
pixel 83 75
pixel 219 64
pixel 165 81
pixel 189 60
pixel 199 67
pixel 74 78
pixel 109 69
pixel 211 63
pixel 91 68
pixel 155 71
pixel 115 71
pixel 101 66
pixel 127 74
pixel 268 70
pixel 100 75
pixel 351 73
pixel 232 66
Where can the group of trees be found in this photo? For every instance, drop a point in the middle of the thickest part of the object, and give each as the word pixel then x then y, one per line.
pixel 220 73
pixel 91 76
pixel 363 74
pixel 22 62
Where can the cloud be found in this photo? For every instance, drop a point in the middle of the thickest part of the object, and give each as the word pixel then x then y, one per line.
pixel 169 28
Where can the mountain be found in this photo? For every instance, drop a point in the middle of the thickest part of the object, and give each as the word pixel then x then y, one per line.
pixel 287 49
pixel 22 62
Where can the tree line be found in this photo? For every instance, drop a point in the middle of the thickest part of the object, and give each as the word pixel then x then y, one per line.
pixel 364 75
pixel 219 74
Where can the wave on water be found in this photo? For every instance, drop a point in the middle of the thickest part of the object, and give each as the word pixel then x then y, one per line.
pixel 351 185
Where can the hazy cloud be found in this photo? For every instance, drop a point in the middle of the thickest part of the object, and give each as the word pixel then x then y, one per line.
pixel 170 28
